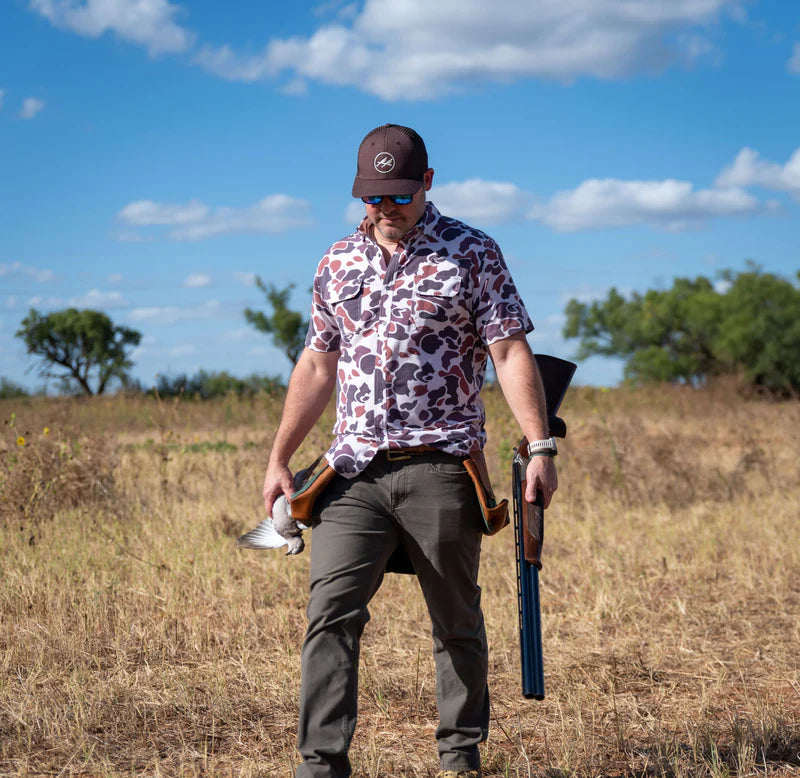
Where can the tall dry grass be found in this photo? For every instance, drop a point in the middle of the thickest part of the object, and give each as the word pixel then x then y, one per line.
pixel 137 639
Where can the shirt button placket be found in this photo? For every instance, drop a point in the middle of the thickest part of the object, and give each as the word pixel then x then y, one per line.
pixel 390 341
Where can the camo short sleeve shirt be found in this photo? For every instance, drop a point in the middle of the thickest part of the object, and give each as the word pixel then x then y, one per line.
pixel 412 337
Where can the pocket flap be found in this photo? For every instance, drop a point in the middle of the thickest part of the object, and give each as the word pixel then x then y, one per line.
pixel 346 290
pixel 439 279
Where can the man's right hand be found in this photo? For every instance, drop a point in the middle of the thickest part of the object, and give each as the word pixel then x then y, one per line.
pixel 310 387
pixel 277 480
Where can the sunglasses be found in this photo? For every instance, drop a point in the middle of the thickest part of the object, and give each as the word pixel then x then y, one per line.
pixel 396 199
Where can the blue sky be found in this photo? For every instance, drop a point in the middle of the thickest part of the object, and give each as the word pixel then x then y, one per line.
pixel 155 156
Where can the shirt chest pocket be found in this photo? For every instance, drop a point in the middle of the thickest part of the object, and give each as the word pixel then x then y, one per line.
pixel 346 303
pixel 437 295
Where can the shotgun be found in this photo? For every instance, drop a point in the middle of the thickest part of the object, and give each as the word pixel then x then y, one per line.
pixel 529 530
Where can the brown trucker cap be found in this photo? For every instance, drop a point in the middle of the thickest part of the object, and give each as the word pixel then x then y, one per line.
pixel 392 160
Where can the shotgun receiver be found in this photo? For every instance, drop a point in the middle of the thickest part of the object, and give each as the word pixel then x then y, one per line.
pixel 529 530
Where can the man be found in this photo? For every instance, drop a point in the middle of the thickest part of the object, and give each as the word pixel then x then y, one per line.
pixel 405 312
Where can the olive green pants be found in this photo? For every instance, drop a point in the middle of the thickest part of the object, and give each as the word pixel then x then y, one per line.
pixel 427 504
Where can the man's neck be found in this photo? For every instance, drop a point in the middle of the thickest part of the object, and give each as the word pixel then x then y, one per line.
pixel 387 246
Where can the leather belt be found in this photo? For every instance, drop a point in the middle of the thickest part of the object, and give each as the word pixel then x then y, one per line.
pixel 398 454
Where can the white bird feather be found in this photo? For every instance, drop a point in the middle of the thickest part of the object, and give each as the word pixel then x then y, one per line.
pixel 280 529
pixel 276 532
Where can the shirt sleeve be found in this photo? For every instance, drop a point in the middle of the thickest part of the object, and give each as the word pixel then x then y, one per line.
pixel 323 331
pixel 499 310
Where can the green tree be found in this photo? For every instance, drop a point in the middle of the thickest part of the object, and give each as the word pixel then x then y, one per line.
pixel 84 343
pixel 747 325
pixel 10 390
pixel 761 336
pixel 287 327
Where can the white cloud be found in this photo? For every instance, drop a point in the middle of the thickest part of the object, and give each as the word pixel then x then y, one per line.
pixel 197 280
pixel 296 87
pixel 115 278
pixel 247 279
pixel 149 23
pixel 18 270
pixel 696 47
pixel 49 302
pixel 547 335
pixel 354 213
pixel 475 200
pixel 343 11
pixel 748 169
pixel 262 351
pixel 146 213
pixel 482 202
pixel 242 334
pixel 97 299
pixel 450 43
pixel 589 294
pixel 129 236
pixel 670 204
pixel 794 62
pixel 30 107
pixel 184 350
pixel 595 203
pixel 195 220
pixel 171 314
pixel 147 346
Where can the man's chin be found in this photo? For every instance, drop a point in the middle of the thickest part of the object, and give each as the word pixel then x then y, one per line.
pixel 391 232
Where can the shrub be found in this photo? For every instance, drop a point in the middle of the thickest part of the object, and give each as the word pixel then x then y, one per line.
pixel 44 472
pixel 203 385
pixel 9 390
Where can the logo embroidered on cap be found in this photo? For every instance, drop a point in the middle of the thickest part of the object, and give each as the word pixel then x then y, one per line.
pixel 384 162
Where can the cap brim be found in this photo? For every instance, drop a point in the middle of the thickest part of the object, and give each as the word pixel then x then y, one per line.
pixel 372 187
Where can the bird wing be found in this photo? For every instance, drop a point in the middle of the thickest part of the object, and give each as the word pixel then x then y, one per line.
pixel 263 536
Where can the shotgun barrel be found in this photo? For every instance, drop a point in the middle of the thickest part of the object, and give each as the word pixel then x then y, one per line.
pixel 527 519
pixel 529 531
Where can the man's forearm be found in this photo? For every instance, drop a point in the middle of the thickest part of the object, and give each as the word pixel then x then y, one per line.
pixel 310 387
pixel 521 383
pixel 522 386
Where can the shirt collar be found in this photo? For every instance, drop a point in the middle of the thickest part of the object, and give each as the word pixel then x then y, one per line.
pixel 425 225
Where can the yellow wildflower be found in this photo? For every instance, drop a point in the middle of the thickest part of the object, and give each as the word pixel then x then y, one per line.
pixel 20 441
pixel 47 430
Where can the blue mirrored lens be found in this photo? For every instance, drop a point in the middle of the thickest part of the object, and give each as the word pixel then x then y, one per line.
pixel 396 199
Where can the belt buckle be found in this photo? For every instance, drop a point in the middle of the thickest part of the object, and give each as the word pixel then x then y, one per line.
pixel 396 455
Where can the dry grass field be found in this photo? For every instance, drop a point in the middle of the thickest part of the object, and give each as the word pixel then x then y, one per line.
pixel 137 639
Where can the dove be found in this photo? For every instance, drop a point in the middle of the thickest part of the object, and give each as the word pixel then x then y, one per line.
pixel 277 531
pixel 280 529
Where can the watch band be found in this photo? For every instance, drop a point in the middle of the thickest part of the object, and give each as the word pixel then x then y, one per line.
pixel 546 447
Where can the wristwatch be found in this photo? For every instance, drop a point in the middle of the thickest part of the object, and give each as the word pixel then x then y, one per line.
pixel 546 447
